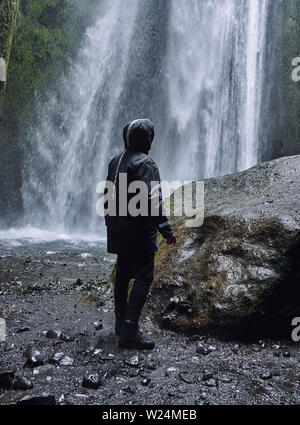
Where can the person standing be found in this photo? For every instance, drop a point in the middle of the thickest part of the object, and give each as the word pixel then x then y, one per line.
pixel 134 238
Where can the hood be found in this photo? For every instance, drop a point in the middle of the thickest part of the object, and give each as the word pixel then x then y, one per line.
pixel 139 135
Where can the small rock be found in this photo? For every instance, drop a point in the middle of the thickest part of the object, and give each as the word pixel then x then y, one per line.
pixel 128 390
pixel 22 383
pixel 150 365
pixel 6 378
pixel 34 358
pixel 202 350
pixel 195 338
pixel 286 354
pixel 146 382
pixel 236 348
pixel 211 349
pixel 266 375
pixel 53 334
pixel 207 375
pixel 9 346
pixel 262 344
pixel 226 380
pixel 211 383
pixel 132 361
pixel 98 326
pixel 91 381
pixel 172 372
pixel 22 330
pixel 186 378
pixel 67 361
pixel 56 358
pixel 79 282
pixel 195 360
pixel 66 338
pixel 61 399
pixel 38 400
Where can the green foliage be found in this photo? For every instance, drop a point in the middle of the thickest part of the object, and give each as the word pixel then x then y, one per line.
pixel 48 34
pixel 8 12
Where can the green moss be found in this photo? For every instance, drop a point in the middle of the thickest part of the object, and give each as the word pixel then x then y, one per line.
pixel 48 34
pixel 8 13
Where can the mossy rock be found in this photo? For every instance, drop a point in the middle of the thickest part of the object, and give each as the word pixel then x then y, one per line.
pixel 238 274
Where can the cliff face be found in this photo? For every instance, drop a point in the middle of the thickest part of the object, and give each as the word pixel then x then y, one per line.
pixel 280 135
pixel 239 273
pixel 8 14
pixel 290 89
pixel 47 35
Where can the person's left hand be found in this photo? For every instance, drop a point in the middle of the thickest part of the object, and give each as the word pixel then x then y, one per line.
pixel 172 240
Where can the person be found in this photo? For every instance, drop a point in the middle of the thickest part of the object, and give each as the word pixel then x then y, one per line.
pixel 134 237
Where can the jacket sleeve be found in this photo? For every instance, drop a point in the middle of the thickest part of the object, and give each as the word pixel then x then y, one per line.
pixel 148 172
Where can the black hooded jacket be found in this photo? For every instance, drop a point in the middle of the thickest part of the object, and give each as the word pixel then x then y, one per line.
pixel 128 233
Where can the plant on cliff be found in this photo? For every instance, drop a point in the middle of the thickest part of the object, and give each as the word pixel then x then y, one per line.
pixel 47 36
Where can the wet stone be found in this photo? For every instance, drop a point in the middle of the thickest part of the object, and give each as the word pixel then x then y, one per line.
pixel 207 375
pixel 56 358
pixel 211 349
pixel 34 358
pixel 22 330
pixel 202 350
pixel 226 380
pixel 98 325
pixel 9 346
pixel 53 334
pixel 195 338
pixel 22 383
pixel 91 381
pixel 128 390
pixel 67 361
pixel 211 383
pixel 266 375
pixel 172 372
pixel 6 378
pixel 186 378
pixel 79 282
pixel 43 399
pixel 146 382
pixel 236 349
pixel 132 361
pixel 66 338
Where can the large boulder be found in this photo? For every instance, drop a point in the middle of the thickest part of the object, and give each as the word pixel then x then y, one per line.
pixel 238 274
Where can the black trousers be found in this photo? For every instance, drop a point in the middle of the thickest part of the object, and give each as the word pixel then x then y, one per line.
pixel 140 267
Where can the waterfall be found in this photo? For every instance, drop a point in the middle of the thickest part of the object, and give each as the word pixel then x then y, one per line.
pixel 195 67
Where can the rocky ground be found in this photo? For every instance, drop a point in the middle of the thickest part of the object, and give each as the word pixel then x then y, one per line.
pixel 61 349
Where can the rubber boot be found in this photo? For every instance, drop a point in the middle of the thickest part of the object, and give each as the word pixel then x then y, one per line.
pixel 131 337
pixel 119 323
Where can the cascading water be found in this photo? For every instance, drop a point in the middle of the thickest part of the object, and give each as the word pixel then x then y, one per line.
pixel 193 66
